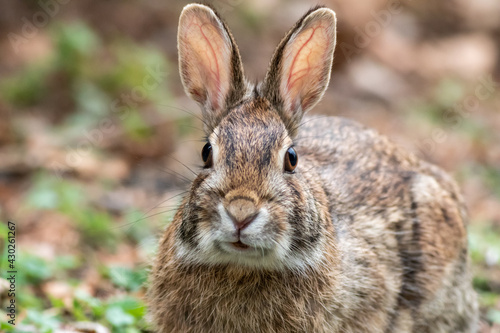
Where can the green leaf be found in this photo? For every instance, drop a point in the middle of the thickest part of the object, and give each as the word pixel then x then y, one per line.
pixel 34 268
pixel 67 262
pixel 136 228
pixel 90 99
pixel 6 327
pixel 71 197
pixel 76 43
pixel 448 92
pixel 491 178
pixel 27 299
pixel 132 330
pixel 27 87
pixel 484 243
pixel 78 37
pixel 493 315
pixel 49 192
pixel 43 198
pixel 56 302
pixel 118 318
pixel 85 301
pixel 127 278
pixel 45 322
pixel 4 230
pixel 135 126
pixel 131 305
pixel 97 228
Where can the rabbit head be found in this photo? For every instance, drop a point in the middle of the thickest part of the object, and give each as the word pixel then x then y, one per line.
pixel 254 204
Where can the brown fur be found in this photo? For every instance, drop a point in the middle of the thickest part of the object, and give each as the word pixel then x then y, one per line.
pixel 363 237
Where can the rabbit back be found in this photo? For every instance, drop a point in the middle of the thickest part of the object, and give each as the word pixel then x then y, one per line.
pixel 400 226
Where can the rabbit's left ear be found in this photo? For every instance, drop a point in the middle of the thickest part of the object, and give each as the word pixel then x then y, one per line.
pixel 300 68
pixel 209 62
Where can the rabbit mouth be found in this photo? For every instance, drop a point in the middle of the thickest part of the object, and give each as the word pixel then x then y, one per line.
pixel 239 248
pixel 240 245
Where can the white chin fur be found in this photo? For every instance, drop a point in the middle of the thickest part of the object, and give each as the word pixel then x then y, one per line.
pixel 267 250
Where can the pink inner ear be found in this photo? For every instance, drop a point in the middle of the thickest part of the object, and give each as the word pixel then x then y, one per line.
pixel 305 59
pixel 207 56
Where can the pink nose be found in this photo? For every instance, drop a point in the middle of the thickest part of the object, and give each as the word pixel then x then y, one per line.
pixel 242 212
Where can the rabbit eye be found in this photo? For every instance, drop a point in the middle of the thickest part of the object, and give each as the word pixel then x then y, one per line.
pixel 291 160
pixel 206 155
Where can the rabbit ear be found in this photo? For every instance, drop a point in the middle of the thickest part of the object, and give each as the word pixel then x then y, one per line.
pixel 209 62
pixel 300 68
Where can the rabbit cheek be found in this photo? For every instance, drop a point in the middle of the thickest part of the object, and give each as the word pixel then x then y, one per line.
pixel 190 217
pixel 196 217
pixel 306 225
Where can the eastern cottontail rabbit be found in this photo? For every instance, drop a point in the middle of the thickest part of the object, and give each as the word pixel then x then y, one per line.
pixel 299 224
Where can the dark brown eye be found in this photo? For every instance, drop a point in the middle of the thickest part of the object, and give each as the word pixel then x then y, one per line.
pixel 291 160
pixel 206 155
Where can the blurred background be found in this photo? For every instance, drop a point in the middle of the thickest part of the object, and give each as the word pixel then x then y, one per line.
pixel 97 139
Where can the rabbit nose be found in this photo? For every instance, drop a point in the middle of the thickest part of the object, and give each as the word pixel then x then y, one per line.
pixel 242 212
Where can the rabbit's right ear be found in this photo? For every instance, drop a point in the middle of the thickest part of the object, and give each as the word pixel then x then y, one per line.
pixel 300 68
pixel 209 62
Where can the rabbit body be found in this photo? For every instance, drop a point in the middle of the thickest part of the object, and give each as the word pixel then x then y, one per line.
pixel 360 237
